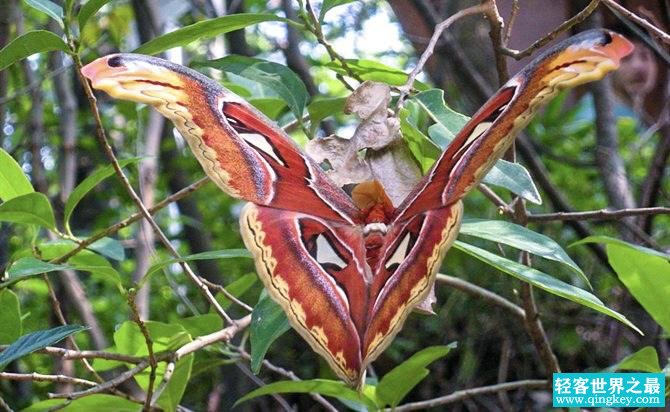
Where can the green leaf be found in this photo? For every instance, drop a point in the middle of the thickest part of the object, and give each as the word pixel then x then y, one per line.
pixel 646 276
pixel 176 387
pixel 32 208
pixel 10 317
pixel 28 267
pixel 204 30
pixel 268 322
pixel 13 182
pixel 89 9
pixel 374 70
pixel 322 108
pixel 236 288
pixel 329 4
pixel 129 340
pixel 34 341
pixel 336 389
pixel 515 178
pixel 522 238
pixel 270 106
pixel 89 183
pixel 396 384
pixel 613 241
pixel 85 260
pixel 109 247
pixel 96 402
pixel 423 150
pixel 275 76
pixel 644 360
pixel 49 8
pixel 543 281
pixel 37 41
pixel 201 324
pixel 432 101
pixel 213 254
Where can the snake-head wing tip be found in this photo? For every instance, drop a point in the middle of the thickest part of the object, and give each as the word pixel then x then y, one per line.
pixel 618 47
pixel 102 68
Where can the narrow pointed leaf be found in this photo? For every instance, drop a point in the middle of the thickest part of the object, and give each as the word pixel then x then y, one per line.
pixel 325 387
pixel 37 340
pixel 329 4
pixel 49 8
pixel 214 254
pixel 89 9
pixel 646 276
pixel 268 322
pixel 204 30
pixel 396 384
pixel 88 184
pixel 37 41
pixel 644 360
pixel 521 238
pixel 543 281
pixel 275 76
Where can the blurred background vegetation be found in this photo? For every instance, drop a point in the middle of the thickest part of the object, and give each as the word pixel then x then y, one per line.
pixel 603 146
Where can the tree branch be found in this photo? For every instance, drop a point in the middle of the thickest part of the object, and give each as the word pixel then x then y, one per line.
pixel 45 378
pixel 479 292
pixel 660 34
pixel 430 48
pixel 132 219
pixel 464 394
pixel 603 214
pixel 563 27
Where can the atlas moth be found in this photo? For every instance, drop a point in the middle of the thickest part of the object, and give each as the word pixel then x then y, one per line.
pixel 347 270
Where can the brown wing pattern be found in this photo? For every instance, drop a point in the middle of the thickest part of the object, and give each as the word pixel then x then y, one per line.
pixel 241 150
pixel 346 287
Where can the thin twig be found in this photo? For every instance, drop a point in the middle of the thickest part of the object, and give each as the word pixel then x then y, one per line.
pixel 291 375
pixel 496 35
pixel 38 377
pixel 313 25
pixel 150 347
pixel 110 384
pixel 224 335
pixel 535 327
pixel 132 219
pixel 603 214
pixel 464 394
pixel 167 375
pixel 88 354
pixel 104 142
pixel 664 37
pixel 566 25
pixel 430 48
pixel 227 294
pixel 4 407
pixel 481 293
pixel 503 207
pixel 512 19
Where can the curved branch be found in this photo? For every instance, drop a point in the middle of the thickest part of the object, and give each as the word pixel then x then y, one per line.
pixel 482 293
pixel 464 394
pixel 604 214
